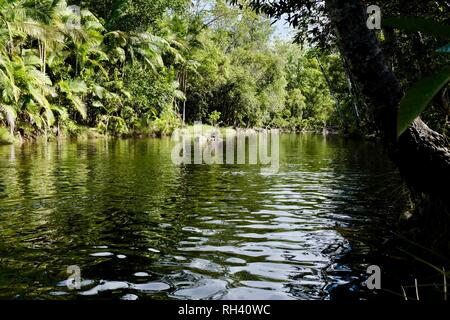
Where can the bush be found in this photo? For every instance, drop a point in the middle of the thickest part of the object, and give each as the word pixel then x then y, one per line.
pixel 214 117
pixel 166 123
pixel 5 136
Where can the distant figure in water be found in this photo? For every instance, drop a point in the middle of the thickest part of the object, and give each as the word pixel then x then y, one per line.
pixel 215 137
pixel 200 140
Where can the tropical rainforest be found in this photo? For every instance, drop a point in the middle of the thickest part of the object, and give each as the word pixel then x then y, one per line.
pixel 146 67
pixel 139 68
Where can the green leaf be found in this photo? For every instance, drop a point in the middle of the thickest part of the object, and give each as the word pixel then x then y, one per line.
pixel 444 49
pixel 73 86
pixel 79 105
pixel 78 86
pixel 419 97
pixel 429 27
pixel 97 104
pixel 11 115
pixel 63 114
pixel 99 91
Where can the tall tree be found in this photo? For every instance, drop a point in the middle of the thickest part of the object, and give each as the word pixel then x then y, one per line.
pixel 131 15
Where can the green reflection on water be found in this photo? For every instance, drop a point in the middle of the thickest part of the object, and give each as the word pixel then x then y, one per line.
pixel 118 208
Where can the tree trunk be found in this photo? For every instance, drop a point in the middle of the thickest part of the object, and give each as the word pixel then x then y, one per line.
pixel 421 154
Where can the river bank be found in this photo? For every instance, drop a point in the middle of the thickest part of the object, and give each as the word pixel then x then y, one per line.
pixel 85 133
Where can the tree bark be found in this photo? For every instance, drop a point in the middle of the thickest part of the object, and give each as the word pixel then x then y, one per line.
pixel 421 154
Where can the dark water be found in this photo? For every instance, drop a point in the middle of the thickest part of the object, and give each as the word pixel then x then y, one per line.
pixel 140 227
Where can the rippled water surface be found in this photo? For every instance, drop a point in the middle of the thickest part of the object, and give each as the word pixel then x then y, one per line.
pixel 139 226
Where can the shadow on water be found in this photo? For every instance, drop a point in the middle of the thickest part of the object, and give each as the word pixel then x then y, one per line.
pixel 139 226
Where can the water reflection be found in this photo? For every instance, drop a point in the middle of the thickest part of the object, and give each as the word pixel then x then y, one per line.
pixel 140 227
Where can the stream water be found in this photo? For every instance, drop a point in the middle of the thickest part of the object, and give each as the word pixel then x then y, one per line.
pixel 139 226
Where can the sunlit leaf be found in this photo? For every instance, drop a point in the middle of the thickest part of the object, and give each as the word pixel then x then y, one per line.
pixel 80 106
pixel 10 113
pixel 419 97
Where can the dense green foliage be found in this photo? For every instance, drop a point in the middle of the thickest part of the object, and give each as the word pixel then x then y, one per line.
pixel 126 67
pixel 423 92
pixel 413 49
